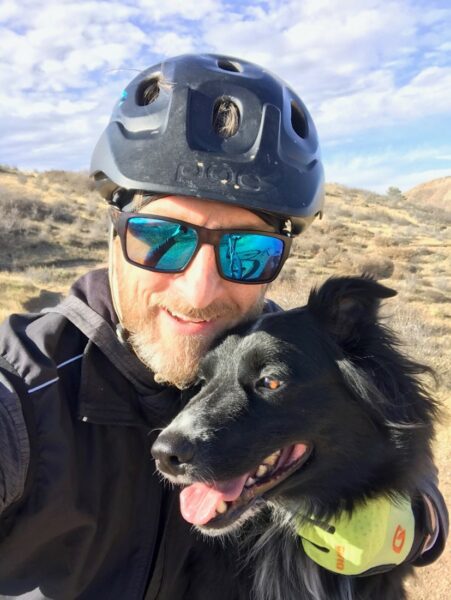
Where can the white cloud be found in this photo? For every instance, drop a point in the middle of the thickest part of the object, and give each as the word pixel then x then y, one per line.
pixel 158 10
pixel 331 50
pixel 381 102
pixel 358 64
pixel 377 171
pixel 172 44
pixel 8 10
pixel 60 45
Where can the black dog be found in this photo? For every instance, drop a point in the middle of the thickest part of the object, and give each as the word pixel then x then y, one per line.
pixel 312 410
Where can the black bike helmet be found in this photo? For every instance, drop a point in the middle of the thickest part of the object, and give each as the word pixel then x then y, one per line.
pixel 163 137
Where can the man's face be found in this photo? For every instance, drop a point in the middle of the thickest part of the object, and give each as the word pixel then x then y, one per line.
pixel 172 318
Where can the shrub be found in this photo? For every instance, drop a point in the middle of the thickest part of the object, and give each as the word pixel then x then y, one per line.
pixel 40 275
pixel 62 213
pixel 71 182
pixel 288 274
pixel 24 207
pixel 394 194
pixel 7 169
pixel 379 268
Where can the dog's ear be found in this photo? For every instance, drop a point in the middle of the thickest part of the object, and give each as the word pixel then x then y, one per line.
pixel 345 305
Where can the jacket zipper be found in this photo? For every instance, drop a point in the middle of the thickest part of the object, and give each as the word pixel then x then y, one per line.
pixel 139 590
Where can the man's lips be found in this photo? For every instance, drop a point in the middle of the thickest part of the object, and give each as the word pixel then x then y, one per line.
pixel 187 325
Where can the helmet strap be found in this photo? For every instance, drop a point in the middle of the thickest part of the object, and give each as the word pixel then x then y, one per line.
pixel 112 275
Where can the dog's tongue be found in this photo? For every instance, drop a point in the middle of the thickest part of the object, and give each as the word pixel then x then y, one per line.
pixel 198 501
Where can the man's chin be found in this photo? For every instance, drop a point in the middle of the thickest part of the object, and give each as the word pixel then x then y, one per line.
pixel 174 360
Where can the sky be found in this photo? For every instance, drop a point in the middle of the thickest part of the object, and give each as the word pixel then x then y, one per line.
pixel 375 74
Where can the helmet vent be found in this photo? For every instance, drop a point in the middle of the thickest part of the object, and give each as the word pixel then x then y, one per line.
pixel 226 117
pixel 148 91
pixel 228 65
pixel 298 120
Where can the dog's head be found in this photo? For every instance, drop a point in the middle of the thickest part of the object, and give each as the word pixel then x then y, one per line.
pixel 310 409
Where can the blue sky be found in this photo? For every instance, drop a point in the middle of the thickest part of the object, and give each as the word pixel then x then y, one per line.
pixel 375 74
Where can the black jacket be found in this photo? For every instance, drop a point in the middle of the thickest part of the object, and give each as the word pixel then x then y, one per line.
pixel 82 512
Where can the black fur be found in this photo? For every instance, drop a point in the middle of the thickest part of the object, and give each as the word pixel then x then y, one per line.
pixel 349 392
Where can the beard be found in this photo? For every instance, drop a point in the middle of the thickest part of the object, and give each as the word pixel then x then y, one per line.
pixel 174 359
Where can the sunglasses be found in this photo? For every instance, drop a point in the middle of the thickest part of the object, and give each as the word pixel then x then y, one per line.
pixel 166 245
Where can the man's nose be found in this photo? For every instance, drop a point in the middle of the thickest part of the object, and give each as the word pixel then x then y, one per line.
pixel 201 284
pixel 174 452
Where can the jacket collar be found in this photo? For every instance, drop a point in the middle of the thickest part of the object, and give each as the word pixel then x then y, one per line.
pixel 111 395
pixel 116 388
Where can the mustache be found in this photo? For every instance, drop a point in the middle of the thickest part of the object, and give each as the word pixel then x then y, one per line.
pixel 215 310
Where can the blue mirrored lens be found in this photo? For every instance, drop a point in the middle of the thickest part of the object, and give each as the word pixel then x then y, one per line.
pixel 250 256
pixel 159 244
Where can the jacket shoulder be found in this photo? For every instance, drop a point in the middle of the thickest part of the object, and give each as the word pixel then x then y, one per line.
pixel 35 344
pixel 33 347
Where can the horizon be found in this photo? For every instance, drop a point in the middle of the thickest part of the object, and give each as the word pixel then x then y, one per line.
pixel 6 168
pixel 375 76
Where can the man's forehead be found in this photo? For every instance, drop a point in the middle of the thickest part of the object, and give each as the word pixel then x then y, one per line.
pixel 201 211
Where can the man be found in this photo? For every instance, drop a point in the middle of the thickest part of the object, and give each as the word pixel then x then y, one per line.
pixel 210 165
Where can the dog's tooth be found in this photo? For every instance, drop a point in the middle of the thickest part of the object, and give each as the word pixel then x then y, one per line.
pixel 249 481
pixel 222 507
pixel 272 459
pixel 262 470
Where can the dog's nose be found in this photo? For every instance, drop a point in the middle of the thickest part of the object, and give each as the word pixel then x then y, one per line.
pixel 173 452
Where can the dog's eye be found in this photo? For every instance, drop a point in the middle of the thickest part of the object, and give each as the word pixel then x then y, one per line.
pixel 270 383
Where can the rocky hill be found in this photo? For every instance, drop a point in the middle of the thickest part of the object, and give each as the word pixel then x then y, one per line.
pixel 435 193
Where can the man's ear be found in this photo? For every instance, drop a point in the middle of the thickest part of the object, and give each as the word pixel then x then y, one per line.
pixel 346 305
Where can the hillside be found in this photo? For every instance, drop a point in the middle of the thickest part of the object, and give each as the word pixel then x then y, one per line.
pixel 435 193
pixel 54 228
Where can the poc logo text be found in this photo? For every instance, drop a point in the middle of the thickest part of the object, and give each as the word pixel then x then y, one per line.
pixel 222 173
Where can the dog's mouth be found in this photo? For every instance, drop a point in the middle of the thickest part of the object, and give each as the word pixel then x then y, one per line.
pixel 220 503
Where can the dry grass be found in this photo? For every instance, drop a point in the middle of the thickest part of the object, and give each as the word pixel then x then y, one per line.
pixel 53 229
